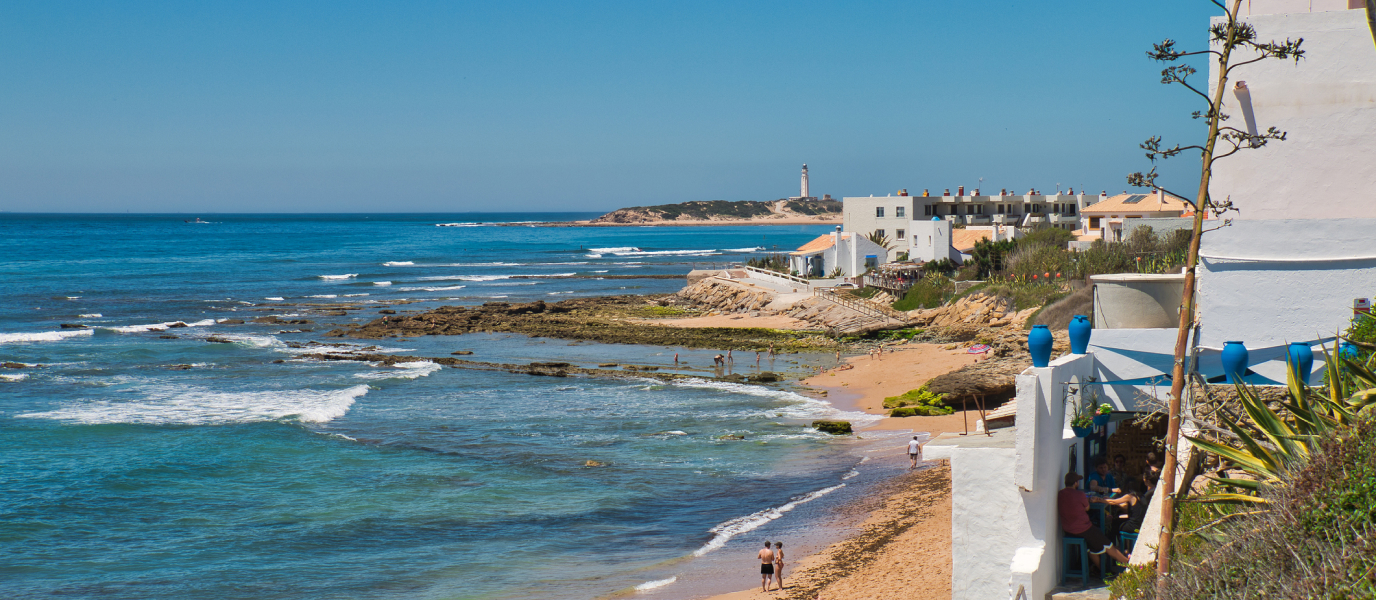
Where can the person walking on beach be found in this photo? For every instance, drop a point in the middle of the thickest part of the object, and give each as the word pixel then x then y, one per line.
pixel 766 557
pixel 771 351
pixel 729 358
pixel 915 451
pixel 779 564
pixel 675 358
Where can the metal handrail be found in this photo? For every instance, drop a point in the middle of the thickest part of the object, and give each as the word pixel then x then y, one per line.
pixel 798 280
pixel 860 305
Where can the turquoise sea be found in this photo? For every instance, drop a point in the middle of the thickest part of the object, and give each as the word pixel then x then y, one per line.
pixel 139 460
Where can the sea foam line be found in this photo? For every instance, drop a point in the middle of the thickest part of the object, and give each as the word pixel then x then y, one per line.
pixel 189 405
pixel 658 583
pixel 344 276
pixel 725 531
pixel 45 336
pixel 152 326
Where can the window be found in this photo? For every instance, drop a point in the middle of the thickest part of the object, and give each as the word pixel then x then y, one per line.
pixel 979 209
pixel 898 233
pixel 1070 209
pixel 927 210
pixel 899 212
pixel 878 211
pixel 1094 222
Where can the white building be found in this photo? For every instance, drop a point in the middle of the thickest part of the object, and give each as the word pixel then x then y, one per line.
pixel 853 254
pixel 935 238
pixel 1113 219
pixel 1286 270
pixel 893 216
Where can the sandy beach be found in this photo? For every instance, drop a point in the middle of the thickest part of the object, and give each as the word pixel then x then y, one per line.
pixel 903 549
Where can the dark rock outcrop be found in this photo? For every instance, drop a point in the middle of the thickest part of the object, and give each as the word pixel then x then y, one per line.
pixel 833 427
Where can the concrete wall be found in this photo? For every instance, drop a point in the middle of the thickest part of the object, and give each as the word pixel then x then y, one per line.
pixel 1137 301
pixel 1327 106
pixel 987 516
pixel 858 215
pixel 930 240
pixel 1271 282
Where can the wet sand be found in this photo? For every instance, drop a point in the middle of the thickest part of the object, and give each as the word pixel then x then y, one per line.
pixel 904 547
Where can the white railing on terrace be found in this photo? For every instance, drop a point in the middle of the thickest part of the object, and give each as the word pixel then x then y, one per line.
pixel 860 305
pixel 767 274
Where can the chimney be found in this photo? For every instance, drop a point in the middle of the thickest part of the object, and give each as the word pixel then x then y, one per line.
pixel 1071 191
pixel 925 193
pixel 960 191
pixel 948 192
pixel 1160 196
pixel 1103 193
pixel 1003 191
pixel 975 193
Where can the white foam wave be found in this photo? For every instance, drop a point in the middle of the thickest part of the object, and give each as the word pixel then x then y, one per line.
pixel 557 293
pixel 354 295
pixel 344 276
pixel 600 252
pixel 480 277
pixel 755 249
pixel 852 473
pixel 91 316
pixel 602 271
pixel 46 336
pixel 593 255
pixel 382 283
pixel 616 249
pixel 658 583
pixel 12 377
pixel 257 341
pixel 409 370
pixel 432 289
pixel 152 326
pixel 399 263
pixel 275 298
pixel 458 224
pixel 324 296
pixel 725 531
pixel 559 275
pixel 189 405
pixel 561 263
pixel 799 407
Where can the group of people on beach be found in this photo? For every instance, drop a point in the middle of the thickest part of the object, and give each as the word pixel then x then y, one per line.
pixel 771 565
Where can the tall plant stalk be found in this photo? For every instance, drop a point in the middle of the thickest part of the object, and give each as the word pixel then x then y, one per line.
pixel 1229 35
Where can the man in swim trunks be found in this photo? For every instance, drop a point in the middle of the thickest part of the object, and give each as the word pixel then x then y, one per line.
pixel 766 557
pixel 915 451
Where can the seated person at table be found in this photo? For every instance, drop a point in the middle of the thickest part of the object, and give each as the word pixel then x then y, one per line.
pixel 1133 523
pixel 1073 506
pixel 1101 481
pixel 1120 469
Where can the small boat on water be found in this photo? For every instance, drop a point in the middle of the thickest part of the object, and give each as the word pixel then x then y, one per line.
pixel 198 220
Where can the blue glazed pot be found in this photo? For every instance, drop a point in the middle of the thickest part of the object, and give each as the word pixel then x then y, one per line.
pixel 1039 343
pixel 1348 351
pixel 1081 431
pixel 1101 420
pixel 1234 361
pixel 1080 328
pixel 1302 361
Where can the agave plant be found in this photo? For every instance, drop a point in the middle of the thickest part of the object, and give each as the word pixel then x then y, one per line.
pixel 1272 443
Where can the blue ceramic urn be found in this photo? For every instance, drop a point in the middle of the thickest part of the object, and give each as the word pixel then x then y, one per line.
pixel 1039 344
pixel 1080 328
pixel 1234 361
pixel 1302 361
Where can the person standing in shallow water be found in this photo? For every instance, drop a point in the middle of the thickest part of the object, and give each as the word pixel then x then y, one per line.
pixel 915 451
pixel 779 564
pixel 766 557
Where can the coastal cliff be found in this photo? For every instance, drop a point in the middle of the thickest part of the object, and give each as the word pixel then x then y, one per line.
pixel 722 211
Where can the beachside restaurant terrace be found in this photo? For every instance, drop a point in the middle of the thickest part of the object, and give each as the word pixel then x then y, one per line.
pixel 1005 527
pixel 894 278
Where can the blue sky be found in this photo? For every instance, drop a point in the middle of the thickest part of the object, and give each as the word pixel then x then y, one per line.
pixel 491 106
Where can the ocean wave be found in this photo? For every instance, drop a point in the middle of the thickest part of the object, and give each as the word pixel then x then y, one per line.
pixel 152 326
pixel 275 298
pixel 382 283
pixel 344 276
pixel 13 377
pixel 408 370
pixel 614 250
pixel 91 316
pixel 600 252
pixel 725 531
pixel 658 583
pixel 399 263
pixel 593 255
pixel 479 277
pixel 755 249
pixel 354 295
pixel 432 289
pixel 324 296
pixel 799 407
pixel 46 336
pixel 458 224
pixel 486 264
pixel 560 263
pixel 168 404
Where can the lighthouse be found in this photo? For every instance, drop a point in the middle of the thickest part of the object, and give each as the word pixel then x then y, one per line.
pixel 805 194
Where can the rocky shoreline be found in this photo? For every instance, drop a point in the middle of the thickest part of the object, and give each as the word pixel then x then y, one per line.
pixel 607 319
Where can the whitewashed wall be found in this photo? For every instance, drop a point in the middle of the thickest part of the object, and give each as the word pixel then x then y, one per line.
pixel 1326 104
